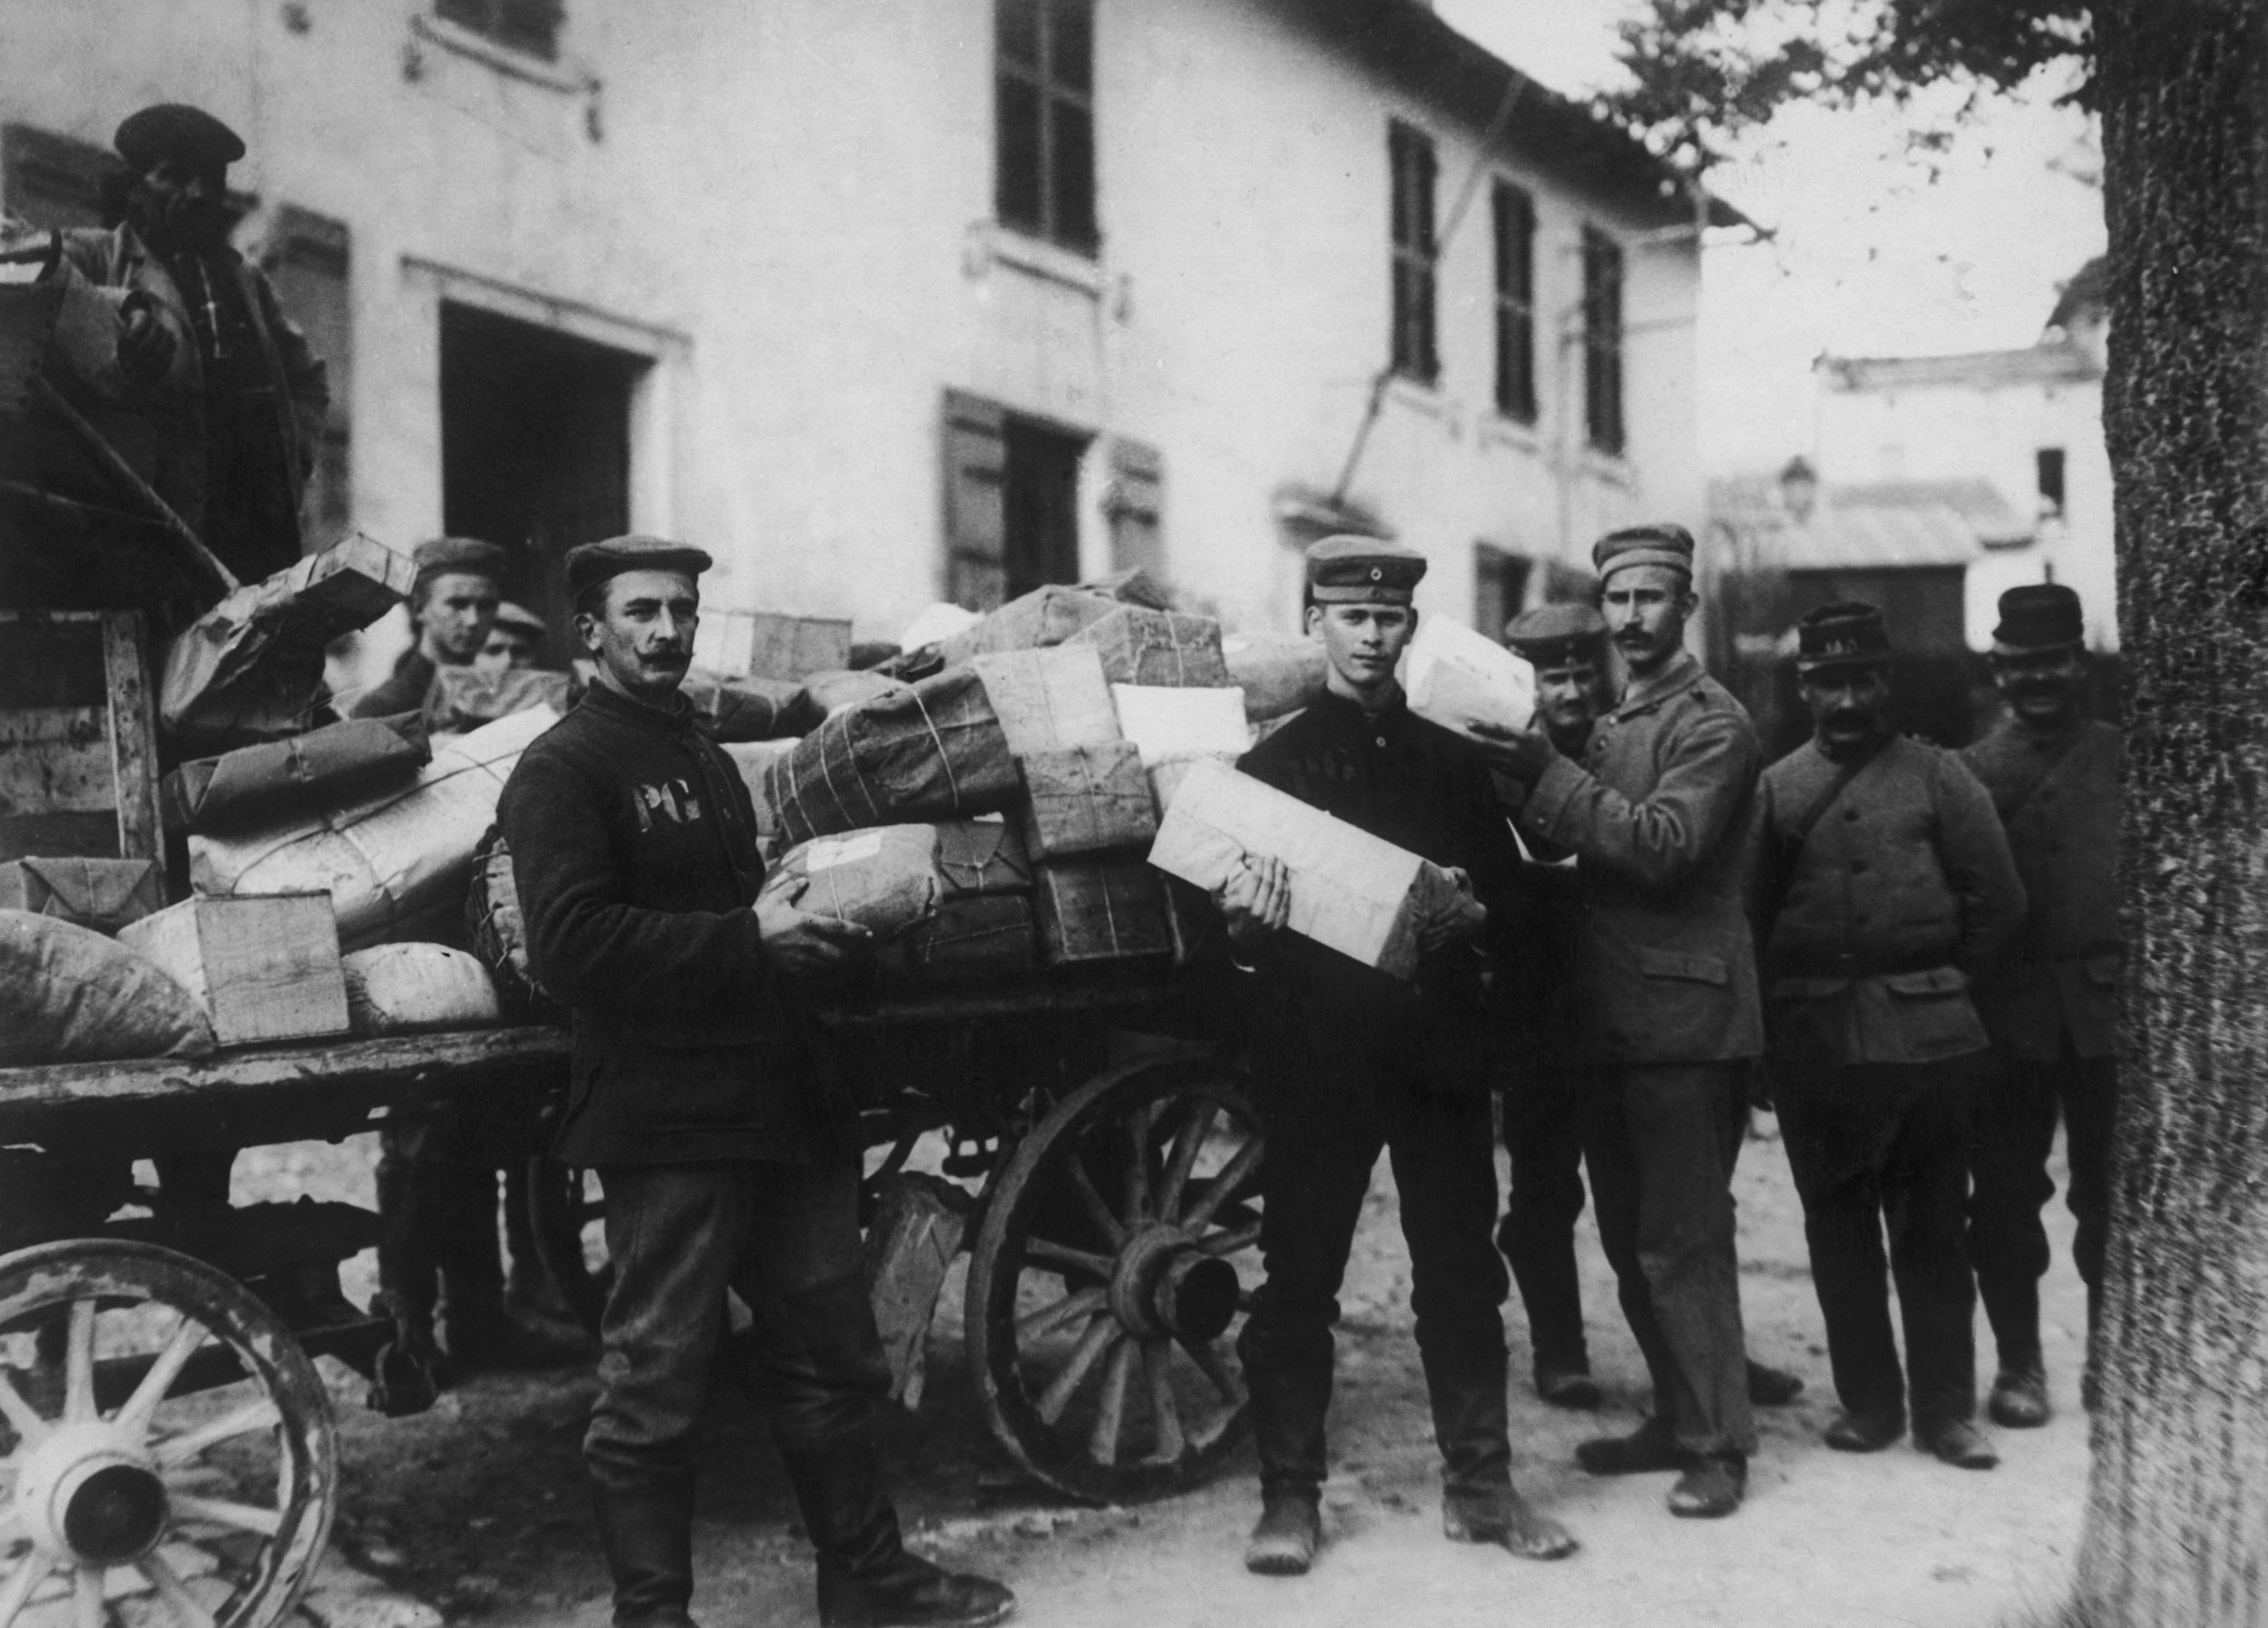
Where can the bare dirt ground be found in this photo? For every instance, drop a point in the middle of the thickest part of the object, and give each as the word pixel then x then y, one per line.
pixel 477 1509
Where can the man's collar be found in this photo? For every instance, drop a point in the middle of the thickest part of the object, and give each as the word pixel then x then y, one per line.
pixel 1348 709
pixel 1680 673
pixel 677 719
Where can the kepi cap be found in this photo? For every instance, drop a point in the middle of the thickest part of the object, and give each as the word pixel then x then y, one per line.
pixel 440 556
pixel 1849 633
pixel 1661 544
pixel 1553 636
pixel 1348 569
pixel 174 130
pixel 594 563
pixel 2039 617
pixel 520 619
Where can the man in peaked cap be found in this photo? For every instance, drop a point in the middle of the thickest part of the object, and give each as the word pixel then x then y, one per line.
pixel 515 640
pixel 1351 1062
pixel 2051 1001
pixel 704 1095
pixel 452 606
pixel 206 388
pixel 1656 812
pixel 1880 881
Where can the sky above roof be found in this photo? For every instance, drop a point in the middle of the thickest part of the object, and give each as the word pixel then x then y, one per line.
pixel 1871 255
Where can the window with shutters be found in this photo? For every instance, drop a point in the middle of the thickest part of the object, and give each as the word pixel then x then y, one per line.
pixel 52 181
pixel 1044 109
pixel 1410 155
pixel 306 260
pixel 529 25
pixel 1515 221
pixel 2047 466
pixel 1602 341
pixel 1012 502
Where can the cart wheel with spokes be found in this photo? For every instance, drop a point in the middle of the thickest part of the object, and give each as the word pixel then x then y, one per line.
pixel 167 1451
pixel 1111 1266
pixel 567 1216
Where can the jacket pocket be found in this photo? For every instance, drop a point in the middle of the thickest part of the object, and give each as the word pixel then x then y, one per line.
pixel 1691 969
pixel 1923 985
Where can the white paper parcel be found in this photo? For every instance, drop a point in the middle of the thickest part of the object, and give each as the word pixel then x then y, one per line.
pixel 1357 894
pixel 1454 676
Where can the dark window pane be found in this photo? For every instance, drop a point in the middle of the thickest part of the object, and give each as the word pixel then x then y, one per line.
pixel 1018 190
pixel 1071 44
pixel 1016 31
pixel 1074 177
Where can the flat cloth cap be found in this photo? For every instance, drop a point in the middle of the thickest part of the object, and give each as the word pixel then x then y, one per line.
pixel 595 562
pixel 1850 633
pixel 520 619
pixel 1658 545
pixel 1353 570
pixel 172 130
pixel 1555 634
pixel 2038 616
pixel 440 556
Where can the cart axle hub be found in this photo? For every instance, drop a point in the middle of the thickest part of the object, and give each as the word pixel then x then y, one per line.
pixel 89 1493
pixel 1163 1285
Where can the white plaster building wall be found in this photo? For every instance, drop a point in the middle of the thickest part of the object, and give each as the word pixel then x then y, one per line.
pixel 788 210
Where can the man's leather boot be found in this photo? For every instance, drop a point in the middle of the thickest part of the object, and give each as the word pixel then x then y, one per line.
pixel 1711 1488
pixel 1289 1532
pixel 1653 1445
pixel 867 1577
pixel 1499 1516
pixel 646 1530
pixel 2020 1394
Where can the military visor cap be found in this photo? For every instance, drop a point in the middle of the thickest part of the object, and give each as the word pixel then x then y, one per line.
pixel 1555 635
pixel 171 130
pixel 443 556
pixel 1352 569
pixel 1659 545
pixel 595 562
pixel 2038 618
pixel 1843 635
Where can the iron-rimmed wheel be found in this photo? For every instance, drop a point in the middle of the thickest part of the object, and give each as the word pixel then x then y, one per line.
pixel 1110 1266
pixel 167 1451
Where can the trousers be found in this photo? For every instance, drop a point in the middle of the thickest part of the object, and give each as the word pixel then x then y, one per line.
pixel 2012 1131
pixel 1314 1184
pixel 1876 1149
pixel 782 1237
pixel 1543 1135
pixel 1660 1140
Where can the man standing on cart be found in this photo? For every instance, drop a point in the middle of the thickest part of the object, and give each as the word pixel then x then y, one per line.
pixel 701 1093
pixel 1352 1061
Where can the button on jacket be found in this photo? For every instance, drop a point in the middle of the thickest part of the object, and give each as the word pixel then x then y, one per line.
pixel 1904 882
pixel 633 847
pixel 2060 794
pixel 1658 812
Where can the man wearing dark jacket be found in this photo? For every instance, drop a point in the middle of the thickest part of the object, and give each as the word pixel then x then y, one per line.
pixel 700 1093
pixel 1880 877
pixel 1352 1061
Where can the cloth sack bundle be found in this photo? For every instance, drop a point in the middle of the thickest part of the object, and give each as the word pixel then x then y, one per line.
pixel 931 751
pixel 294 778
pixel 69 994
pixel 402 988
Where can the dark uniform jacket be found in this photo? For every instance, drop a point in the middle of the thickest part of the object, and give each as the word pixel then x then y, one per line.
pixel 1902 887
pixel 633 845
pixel 1658 814
pixel 2059 796
pixel 1420 788
pixel 405 690
pixel 160 427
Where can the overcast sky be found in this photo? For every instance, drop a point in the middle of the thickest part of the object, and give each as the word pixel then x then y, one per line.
pixel 1871 256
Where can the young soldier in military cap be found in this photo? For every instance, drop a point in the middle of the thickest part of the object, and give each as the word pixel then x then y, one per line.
pixel 1882 878
pixel 2051 1001
pixel 452 606
pixel 701 1093
pixel 1351 1061
pixel 1656 813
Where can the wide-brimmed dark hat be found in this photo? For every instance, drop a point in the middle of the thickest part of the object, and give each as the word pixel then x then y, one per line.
pixel 2039 617
pixel 172 130
pixel 1554 636
pixel 1847 634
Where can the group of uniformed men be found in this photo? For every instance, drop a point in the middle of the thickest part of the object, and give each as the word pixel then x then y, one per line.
pixel 1914 955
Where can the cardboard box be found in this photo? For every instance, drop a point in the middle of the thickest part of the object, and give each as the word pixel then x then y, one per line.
pixel 1354 892
pixel 1179 723
pixel 979 939
pixel 1050 700
pixel 263 966
pixel 1454 676
pixel 1085 799
pixel 1142 646
pixel 1112 909
pixel 771 645
pixel 981 857
pixel 1042 617
pixel 101 894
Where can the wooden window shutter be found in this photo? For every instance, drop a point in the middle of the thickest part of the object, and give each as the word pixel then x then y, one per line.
pixel 1135 505
pixel 975 468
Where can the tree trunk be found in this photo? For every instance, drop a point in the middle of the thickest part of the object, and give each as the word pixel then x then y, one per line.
pixel 2176 1528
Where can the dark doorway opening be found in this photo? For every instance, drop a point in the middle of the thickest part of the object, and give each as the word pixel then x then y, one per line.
pixel 534 449
pixel 1040 505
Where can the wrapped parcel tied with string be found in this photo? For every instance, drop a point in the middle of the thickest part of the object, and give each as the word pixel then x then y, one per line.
pixel 930 751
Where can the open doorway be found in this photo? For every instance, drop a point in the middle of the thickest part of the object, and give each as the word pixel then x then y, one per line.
pixel 534 449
